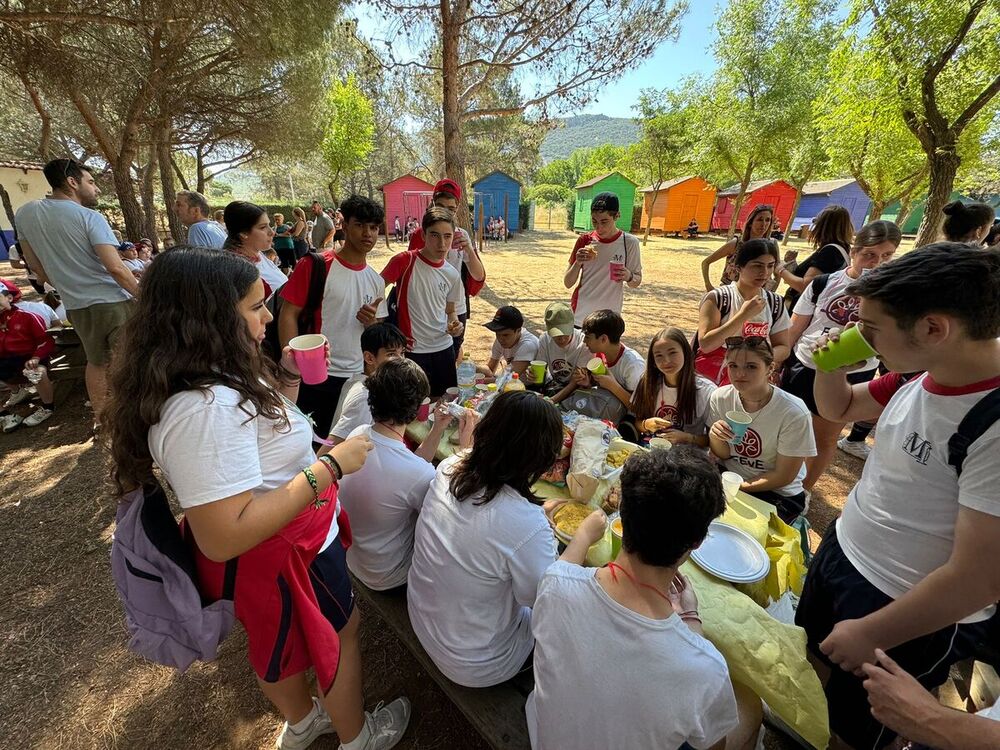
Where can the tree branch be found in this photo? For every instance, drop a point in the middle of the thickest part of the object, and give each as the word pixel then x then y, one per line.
pixel 963 120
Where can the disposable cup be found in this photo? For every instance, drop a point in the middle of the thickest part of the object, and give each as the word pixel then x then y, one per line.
pixel 537 369
pixel 739 423
pixel 613 267
pixel 451 394
pixel 597 366
pixel 309 352
pixel 616 534
pixel 424 411
pixel 731 482
pixel 849 349
pixel 660 444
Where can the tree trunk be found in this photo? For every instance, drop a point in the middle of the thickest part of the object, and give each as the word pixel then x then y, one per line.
pixel 944 164
pixel 125 190
pixel 8 209
pixel 180 175
pixel 332 187
pixel 652 208
pixel 738 203
pixel 905 209
pixel 452 19
pixel 795 211
pixel 875 212
pixel 200 170
pixel 148 205
pixel 162 137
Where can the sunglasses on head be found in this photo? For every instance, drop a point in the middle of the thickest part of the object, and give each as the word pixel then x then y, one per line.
pixel 749 342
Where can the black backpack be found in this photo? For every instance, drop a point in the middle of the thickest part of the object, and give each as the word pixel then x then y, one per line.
pixel 973 426
pixel 307 316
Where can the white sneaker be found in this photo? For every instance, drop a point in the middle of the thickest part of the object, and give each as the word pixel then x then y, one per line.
pixel 387 724
pixel 17 397
pixel 292 740
pixel 10 422
pixel 858 450
pixel 38 416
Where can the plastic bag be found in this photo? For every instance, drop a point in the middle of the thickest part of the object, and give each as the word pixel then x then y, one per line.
pixel 587 466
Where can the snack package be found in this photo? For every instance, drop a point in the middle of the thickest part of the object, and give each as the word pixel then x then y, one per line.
pixel 557 474
pixel 587 459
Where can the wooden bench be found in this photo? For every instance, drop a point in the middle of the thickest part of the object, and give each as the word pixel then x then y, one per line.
pixel 497 713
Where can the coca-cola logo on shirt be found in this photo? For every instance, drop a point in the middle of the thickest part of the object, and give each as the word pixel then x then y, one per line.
pixel 750 446
pixel 754 328
pixel 843 309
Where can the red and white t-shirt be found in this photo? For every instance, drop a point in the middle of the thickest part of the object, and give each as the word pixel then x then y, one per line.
pixel 667 406
pixel 898 525
pixel 561 362
pixel 270 274
pixel 347 288
pixel 596 290
pixel 628 368
pixel 423 296
pixel 457 259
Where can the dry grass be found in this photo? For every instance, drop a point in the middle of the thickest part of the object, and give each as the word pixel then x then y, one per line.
pixel 66 679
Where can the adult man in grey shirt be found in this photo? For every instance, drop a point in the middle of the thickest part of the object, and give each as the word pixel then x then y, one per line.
pixel 322 236
pixel 193 210
pixel 70 246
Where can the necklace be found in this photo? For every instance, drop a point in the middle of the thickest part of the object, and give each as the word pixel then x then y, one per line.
pixel 760 402
pixel 612 567
pixel 395 432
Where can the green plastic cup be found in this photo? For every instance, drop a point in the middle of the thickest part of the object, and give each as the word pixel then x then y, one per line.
pixel 849 349
pixel 537 369
pixel 597 367
pixel 615 522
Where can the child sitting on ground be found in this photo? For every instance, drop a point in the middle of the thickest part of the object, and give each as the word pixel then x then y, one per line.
pixel 668 500
pixel 561 349
pixel 24 346
pixel 514 347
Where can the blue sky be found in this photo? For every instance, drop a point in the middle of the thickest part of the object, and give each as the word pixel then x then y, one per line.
pixel 671 62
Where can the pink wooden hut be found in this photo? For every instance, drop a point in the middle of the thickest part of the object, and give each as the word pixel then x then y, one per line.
pixel 405 196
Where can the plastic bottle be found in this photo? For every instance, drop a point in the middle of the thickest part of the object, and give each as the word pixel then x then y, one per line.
pixel 467 377
pixel 514 384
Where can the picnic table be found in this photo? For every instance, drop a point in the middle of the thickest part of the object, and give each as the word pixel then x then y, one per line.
pixel 763 653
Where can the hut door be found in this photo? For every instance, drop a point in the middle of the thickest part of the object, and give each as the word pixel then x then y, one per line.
pixel 689 210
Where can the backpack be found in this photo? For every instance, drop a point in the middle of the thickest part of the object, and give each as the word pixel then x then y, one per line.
pixel 154 572
pixel 307 315
pixel 597 403
pixel 973 426
pixel 392 300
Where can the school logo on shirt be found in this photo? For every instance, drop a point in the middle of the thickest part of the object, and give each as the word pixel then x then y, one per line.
pixel 843 309
pixel 756 328
pixel 751 445
pixel 560 370
pixel 917 447
pixel 669 413
pixel 443 285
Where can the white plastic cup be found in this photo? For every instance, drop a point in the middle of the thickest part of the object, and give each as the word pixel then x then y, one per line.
pixel 731 482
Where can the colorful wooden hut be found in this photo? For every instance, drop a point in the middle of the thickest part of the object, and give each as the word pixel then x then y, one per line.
pixel 677 202
pixel 776 193
pixel 613 182
pixel 497 194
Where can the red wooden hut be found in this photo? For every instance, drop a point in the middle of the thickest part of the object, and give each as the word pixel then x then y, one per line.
pixel 405 196
pixel 777 193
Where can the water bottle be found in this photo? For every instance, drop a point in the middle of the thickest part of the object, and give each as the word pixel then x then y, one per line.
pixel 466 378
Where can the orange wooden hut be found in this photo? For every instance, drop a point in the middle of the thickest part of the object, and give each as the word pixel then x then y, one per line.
pixel 677 202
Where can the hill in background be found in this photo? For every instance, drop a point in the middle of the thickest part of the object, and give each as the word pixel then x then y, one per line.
pixel 587 131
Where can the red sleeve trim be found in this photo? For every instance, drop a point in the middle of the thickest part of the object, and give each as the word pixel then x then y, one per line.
pixel 394 269
pixel 883 388
pixel 296 289
pixel 473 287
pixel 581 241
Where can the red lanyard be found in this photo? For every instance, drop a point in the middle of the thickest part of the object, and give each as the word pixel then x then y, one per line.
pixel 395 432
pixel 611 568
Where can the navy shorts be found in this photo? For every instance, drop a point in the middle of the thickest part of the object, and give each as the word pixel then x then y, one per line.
pixel 457 341
pixel 332 584
pixel 798 380
pixel 440 369
pixel 12 368
pixel 835 590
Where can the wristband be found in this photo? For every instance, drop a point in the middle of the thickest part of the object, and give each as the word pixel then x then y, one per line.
pixel 318 502
pixel 692 612
pixel 332 466
pixel 689 618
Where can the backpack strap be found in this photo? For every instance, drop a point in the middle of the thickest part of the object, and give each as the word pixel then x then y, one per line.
pixel 818 284
pixel 777 304
pixel 723 301
pixel 974 424
pixel 229 579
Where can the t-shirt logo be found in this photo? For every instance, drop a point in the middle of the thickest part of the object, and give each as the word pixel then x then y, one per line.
pixel 668 412
pixel 756 328
pixel 917 447
pixel 560 370
pixel 843 310
pixel 751 445
pixel 443 286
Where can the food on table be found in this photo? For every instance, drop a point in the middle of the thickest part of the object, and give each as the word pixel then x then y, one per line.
pixel 613 499
pixel 569 517
pixel 616 526
pixel 617 458
pixel 557 474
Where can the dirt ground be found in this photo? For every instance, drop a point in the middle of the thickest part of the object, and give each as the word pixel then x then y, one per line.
pixel 66 678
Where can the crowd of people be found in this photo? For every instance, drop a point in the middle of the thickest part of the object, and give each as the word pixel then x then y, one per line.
pixel 305 482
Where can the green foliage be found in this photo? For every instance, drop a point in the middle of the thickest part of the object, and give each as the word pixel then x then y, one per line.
pixel 604 159
pixel 567 172
pixel 587 131
pixel 348 138
pixel 549 195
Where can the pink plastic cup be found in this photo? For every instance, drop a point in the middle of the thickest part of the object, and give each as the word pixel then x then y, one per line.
pixel 309 352
pixel 424 412
pixel 612 267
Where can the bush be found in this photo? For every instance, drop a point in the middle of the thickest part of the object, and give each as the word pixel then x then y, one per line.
pixel 523 216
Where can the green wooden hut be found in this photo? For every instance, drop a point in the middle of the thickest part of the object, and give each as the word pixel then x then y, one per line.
pixel 912 222
pixel 613 182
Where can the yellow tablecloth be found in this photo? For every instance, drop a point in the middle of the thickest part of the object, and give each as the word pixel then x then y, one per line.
pixel 417 431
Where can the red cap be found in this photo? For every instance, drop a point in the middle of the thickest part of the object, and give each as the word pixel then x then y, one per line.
pixel 450 187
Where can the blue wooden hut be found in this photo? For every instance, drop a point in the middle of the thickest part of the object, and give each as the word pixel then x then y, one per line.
pixel 818 195
pixel 497 194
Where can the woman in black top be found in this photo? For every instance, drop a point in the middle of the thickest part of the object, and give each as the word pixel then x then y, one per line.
pixel 832 235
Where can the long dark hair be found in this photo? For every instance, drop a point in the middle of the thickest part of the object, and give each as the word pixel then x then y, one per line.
pixel 515 443
pixel 962 218
pixel 240 216
pixel 833 226
pixel 760 208
pixel 186 333
pixel 647 393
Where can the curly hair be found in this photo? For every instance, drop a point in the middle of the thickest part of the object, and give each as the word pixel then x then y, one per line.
pixel 186 333
pixel 515 443
pixel 395 391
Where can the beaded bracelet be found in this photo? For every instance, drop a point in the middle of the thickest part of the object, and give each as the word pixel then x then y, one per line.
pixel 331 464
pixel 318 502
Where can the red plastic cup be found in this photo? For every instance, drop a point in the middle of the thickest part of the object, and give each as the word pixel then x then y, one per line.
pixel 309 352
pixel 424 412
pixel 612 267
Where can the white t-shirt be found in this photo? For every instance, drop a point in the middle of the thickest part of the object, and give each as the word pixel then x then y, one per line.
pixel 667 406
pixel 457 259
pixel 763 323
pixel 561 362
pixel 355 411
pixel 209 448
pixel 49 317
pixel 135 265
pixel 474 578
pixel 524 350
pixel 347 289
pixel 832 309
pixel 898 525
pixel 628 369
pixel 783 426
pixel 670 685
pixel 382 500
pixel 358 377
pixel 422 305
pixel 596 290
pixel 270 274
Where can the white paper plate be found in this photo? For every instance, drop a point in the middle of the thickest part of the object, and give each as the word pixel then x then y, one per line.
pixel 732 555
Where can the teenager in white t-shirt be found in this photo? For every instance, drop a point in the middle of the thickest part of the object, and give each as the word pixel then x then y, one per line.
pixel 353 299
pixel 602 334
pixel 771 455
pixel 824 305
pixel 913 566
pixel 250 235
pixel 602 261
pixel 428 291
pixel 673 686
pixel 562 350
pixel 481 545
pixel 514 347
pixel 238 456
pixel 671 400
pixel 742 308
pixel 383 498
